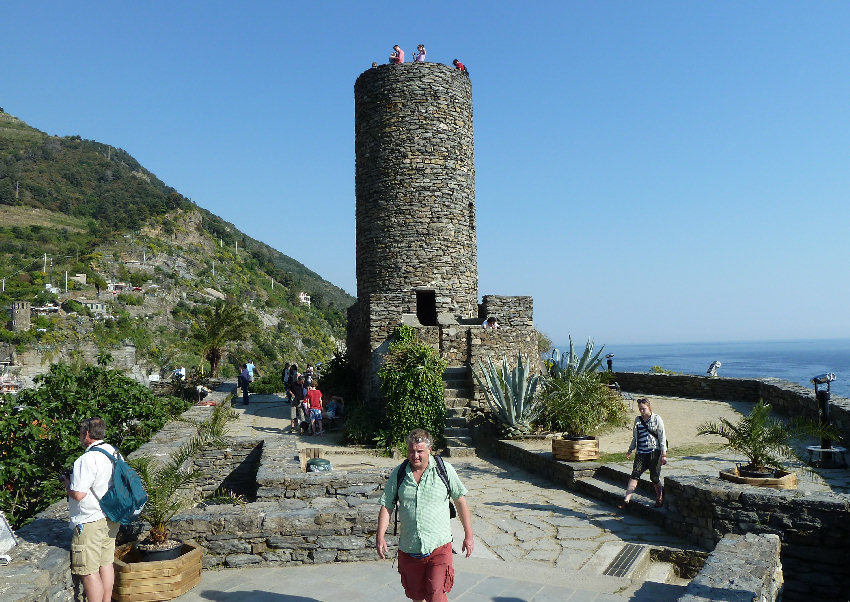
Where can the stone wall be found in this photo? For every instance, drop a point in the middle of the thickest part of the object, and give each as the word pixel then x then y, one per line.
pixel 415 184
pixel 741 567
pixel 813 528
pixel 786 398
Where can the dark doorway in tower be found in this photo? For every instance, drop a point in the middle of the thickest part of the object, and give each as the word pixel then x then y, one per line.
pixel 426 307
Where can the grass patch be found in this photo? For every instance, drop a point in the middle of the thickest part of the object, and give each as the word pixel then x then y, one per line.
pixel 693 449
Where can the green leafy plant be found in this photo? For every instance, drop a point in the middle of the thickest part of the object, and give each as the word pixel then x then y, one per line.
pixel 565 365
pixel 660 370
pixel 164 481
pixel 412 385
pixel 581 405
pixel 39 434
pixel 216 327
pixel 762 439
pixel 511 394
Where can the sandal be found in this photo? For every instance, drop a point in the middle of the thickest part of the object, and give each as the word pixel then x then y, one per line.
pixel 659 503
pixel 624 505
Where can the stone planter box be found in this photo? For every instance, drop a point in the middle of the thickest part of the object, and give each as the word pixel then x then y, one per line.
pixel 575 450
pixel 780 480
pixel 160 580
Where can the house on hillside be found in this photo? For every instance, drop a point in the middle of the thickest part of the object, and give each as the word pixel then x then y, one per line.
pixel 304 298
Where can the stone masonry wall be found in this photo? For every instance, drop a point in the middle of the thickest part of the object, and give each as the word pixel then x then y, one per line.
pixel 415 184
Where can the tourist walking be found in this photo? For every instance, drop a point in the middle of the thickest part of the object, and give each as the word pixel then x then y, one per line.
pixel 93 541
pixel 244 381
pixel 649 443
pixel 425 539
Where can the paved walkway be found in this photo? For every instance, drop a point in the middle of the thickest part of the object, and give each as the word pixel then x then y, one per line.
pixel 534 541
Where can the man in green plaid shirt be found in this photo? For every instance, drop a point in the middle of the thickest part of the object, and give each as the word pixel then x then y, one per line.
pixel 425 540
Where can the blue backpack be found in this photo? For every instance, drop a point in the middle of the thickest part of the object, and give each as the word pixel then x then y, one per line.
pixel 126 496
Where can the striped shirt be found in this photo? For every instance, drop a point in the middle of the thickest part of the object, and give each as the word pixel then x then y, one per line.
pixel 648 436
pixel 424 523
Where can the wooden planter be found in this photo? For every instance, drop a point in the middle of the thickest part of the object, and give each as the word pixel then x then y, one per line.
pixel 780 480
pixel 154 581
pixel 575 450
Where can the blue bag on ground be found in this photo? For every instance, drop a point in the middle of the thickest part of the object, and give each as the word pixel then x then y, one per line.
pixel 126 496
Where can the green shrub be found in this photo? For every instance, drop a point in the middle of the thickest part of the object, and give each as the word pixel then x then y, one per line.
pixel 581 405
pixel 412 385
pixel 41 437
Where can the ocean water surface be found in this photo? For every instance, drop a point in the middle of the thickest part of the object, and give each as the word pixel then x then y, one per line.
pixel 794 361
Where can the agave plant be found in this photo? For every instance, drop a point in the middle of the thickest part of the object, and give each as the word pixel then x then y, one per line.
pixel 163 481
pixel 563 366
pixel 763 440
pixel 511 394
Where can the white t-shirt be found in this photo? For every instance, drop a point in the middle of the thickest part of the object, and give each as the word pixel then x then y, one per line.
pixel 92 472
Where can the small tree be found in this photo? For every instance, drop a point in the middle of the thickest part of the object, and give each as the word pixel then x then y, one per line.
pixel 412 385
pixel 218 326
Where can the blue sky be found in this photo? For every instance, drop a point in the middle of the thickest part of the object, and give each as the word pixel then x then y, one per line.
pixel 648 171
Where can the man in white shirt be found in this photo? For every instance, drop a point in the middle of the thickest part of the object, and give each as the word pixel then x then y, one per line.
pixel 93 542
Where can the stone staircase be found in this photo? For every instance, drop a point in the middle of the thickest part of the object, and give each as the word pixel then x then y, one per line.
pixel 458 396
pixel 608 484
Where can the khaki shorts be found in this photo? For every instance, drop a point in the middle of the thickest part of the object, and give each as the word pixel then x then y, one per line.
pixel 93 546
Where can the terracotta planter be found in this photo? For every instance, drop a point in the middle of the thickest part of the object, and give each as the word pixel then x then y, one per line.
pixel 780 480
pixel 576 449
pixel 152 581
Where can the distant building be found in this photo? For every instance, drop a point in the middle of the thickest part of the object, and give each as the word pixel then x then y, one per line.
pixel 96 307
pixel 81 278
pixel 304 298
pixel 21 316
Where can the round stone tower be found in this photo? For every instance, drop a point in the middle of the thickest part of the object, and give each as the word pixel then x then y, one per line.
pixel 415 187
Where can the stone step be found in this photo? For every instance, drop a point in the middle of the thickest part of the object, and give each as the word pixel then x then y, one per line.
pixel 612 493
pixel 614 473
pixel 458 441
pixel 459 451
pixel 457 392
pixel 455 422
pixel 456 372
pixel 456 431
pixel 458 412
pixel 457 402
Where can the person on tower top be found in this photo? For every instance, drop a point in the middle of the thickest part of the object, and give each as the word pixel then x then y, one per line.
pixel 460 67
pixel 397 55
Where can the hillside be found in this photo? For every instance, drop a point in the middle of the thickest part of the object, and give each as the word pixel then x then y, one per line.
pixel 78 206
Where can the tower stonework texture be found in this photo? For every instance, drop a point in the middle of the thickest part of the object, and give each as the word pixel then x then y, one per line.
pixel 415 184
pixel 415 218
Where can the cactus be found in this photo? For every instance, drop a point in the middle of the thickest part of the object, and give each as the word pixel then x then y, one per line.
pixel 563 366
pixel 511 394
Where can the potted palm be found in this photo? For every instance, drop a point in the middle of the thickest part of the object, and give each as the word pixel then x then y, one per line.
pixel 578 404
pixel 765 442
pixel 161 567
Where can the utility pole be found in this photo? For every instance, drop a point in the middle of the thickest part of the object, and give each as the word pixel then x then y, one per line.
pixel 237 247
pixel 44 269
pixel 16 191
pixel 66 282
pixel 4 284
pixel 213 268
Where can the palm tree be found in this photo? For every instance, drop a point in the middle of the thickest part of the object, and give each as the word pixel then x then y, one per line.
pixel 217 326
pixel 764 440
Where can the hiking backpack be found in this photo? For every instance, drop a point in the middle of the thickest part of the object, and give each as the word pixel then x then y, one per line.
pixel 444 477
pixel 126 496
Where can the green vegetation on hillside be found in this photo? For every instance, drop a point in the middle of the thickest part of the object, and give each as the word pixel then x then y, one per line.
pixel 83 207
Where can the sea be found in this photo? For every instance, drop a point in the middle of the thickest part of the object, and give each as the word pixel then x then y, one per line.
pixel 795 361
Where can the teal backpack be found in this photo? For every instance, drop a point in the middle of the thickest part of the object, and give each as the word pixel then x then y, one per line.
pixel 126 496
